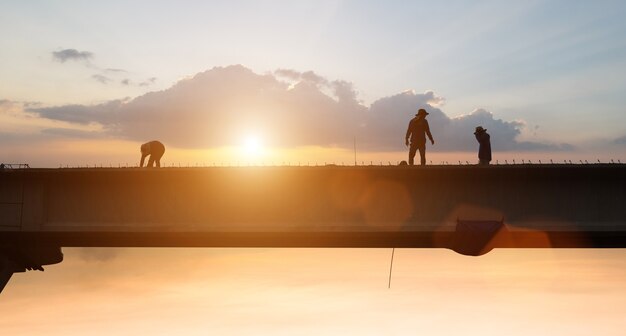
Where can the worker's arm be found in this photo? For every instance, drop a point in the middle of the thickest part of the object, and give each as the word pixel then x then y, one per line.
pixel 145 151
pixel 430 136
pixel 408 133
pixel 482 138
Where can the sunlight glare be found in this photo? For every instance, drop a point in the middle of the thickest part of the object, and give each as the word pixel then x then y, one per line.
pixel 252 146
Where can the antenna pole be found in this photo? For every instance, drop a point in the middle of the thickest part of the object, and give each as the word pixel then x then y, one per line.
pixel 393 250
pixel 355 151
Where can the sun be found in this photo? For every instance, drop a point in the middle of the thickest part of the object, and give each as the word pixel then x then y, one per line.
pixel 252 146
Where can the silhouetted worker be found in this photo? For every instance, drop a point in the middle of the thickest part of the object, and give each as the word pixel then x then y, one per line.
pixel 155 149
pixel 484 149
pixel 417 131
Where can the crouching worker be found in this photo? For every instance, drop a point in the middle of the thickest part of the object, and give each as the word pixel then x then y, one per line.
pixel 484 149
pixel 155 149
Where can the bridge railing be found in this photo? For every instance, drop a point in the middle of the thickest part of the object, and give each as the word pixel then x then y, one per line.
pixel 14 165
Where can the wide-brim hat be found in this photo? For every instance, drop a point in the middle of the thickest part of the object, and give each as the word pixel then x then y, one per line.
pixel 421 112
pixel 480 129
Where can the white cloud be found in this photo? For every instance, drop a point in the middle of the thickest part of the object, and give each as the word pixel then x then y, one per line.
pixel 216 107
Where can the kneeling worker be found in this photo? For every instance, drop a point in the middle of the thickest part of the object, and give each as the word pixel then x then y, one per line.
pixel 155 149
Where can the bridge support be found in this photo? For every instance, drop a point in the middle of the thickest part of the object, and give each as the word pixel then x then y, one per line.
pixel 475 238
pixel 20 258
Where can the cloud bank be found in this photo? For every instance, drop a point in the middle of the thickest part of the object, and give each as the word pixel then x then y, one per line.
pixel 288 108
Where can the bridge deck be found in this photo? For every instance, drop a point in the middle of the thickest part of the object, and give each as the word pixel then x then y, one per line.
pixel 367 206
pixel 468 209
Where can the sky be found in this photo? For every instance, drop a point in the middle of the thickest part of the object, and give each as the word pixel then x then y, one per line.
pixel 210 79
pixel 85 83
pixel 320 292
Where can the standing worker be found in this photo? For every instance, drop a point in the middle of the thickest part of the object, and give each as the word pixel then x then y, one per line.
pixel 484 148
pixel 417 131
pixel 155 149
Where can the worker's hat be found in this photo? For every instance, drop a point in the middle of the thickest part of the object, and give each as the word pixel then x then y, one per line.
pixel 421 112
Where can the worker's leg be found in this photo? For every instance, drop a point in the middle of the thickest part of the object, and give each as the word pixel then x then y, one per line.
pixel 157 160
pixel 157 156
pixel 412 151
pixel 422 154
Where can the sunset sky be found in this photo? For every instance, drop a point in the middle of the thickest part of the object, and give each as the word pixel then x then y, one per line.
pixel 303 82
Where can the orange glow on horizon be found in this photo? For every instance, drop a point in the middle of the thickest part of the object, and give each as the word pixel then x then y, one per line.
pixel 254 151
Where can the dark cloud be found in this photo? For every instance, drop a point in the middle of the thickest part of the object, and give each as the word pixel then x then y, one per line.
pixel 103 75
pixel 101 78
pixel 112 70
pixel 129 82
pixel 29 104
pixel 148 81
pixel 389 116
pixel 218 106
pixel 16 141
pixel 15 109
pixel 5 105
pixel 344 91
pixel 104 114
pixel 71 55
pixel 620 141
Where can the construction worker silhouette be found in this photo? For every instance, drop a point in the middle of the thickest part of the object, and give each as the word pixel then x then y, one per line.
pixel 484 148
pixel 417 132
pixel 155 149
